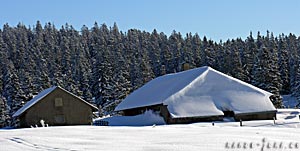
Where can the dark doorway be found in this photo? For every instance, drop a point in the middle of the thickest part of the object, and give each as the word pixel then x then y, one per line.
pixel 228 113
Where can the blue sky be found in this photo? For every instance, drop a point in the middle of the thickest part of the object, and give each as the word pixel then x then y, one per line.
pixel 217 19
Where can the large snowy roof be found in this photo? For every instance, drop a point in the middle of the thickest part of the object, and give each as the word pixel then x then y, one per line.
pixel 40 96
pixel 199 92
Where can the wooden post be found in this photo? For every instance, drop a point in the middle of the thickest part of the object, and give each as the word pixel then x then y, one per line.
pixel 213 124
pixel 241 123
pixel 274 120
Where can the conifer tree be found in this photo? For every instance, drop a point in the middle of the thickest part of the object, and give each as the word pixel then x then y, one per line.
pixel 2 113
pixel 266 70
pixel 196 48
pixel 249 57
pixel 176 44
pixel 4 116
pixel 165 56
pixel 154 51
pixel 284 65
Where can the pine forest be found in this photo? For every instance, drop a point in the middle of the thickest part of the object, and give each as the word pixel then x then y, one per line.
pixel 103 65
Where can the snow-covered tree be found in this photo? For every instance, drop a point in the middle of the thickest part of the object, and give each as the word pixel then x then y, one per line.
pixel 266 70
pixel 2 113
pixel 197 53
pixel 284 65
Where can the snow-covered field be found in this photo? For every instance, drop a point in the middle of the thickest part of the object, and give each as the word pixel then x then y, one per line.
pixel 254 135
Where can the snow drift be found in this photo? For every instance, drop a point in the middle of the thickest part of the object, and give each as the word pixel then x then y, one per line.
pixel 147 119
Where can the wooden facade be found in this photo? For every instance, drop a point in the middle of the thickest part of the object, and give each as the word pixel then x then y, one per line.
pixel 163 111
pixel 141 110
pixel 59 107
pixel 267 115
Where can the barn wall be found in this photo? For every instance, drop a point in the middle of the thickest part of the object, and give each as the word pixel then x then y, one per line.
pixel 164 112
pixel 140 110
pixel 268 115
pixel 22 121
pixel 187 120
pixel 72 112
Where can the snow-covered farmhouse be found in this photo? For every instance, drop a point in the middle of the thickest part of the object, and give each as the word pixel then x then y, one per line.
pixel 55 106
pixel 200 94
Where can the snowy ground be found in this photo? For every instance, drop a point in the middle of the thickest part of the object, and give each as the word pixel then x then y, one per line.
pixel 254 135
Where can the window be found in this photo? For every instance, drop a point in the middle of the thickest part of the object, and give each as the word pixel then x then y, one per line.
pixel 58 102
pixel 60 119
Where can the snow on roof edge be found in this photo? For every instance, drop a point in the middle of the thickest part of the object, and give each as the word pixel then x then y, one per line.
pixel 34 100
pixel 242 82
pixel 238 113
pixel 205 68
pixel 42 95
pixel 134 107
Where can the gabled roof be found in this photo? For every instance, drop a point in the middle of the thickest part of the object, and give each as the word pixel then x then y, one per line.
pixel 199 92
pixel 42 95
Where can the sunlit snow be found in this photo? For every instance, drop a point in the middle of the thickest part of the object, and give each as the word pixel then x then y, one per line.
pixel 192 137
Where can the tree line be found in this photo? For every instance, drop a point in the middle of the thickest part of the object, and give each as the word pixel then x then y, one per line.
pixel 103 65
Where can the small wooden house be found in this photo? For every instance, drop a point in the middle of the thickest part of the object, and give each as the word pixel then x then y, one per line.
pixel 200 94
pixel 55 106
